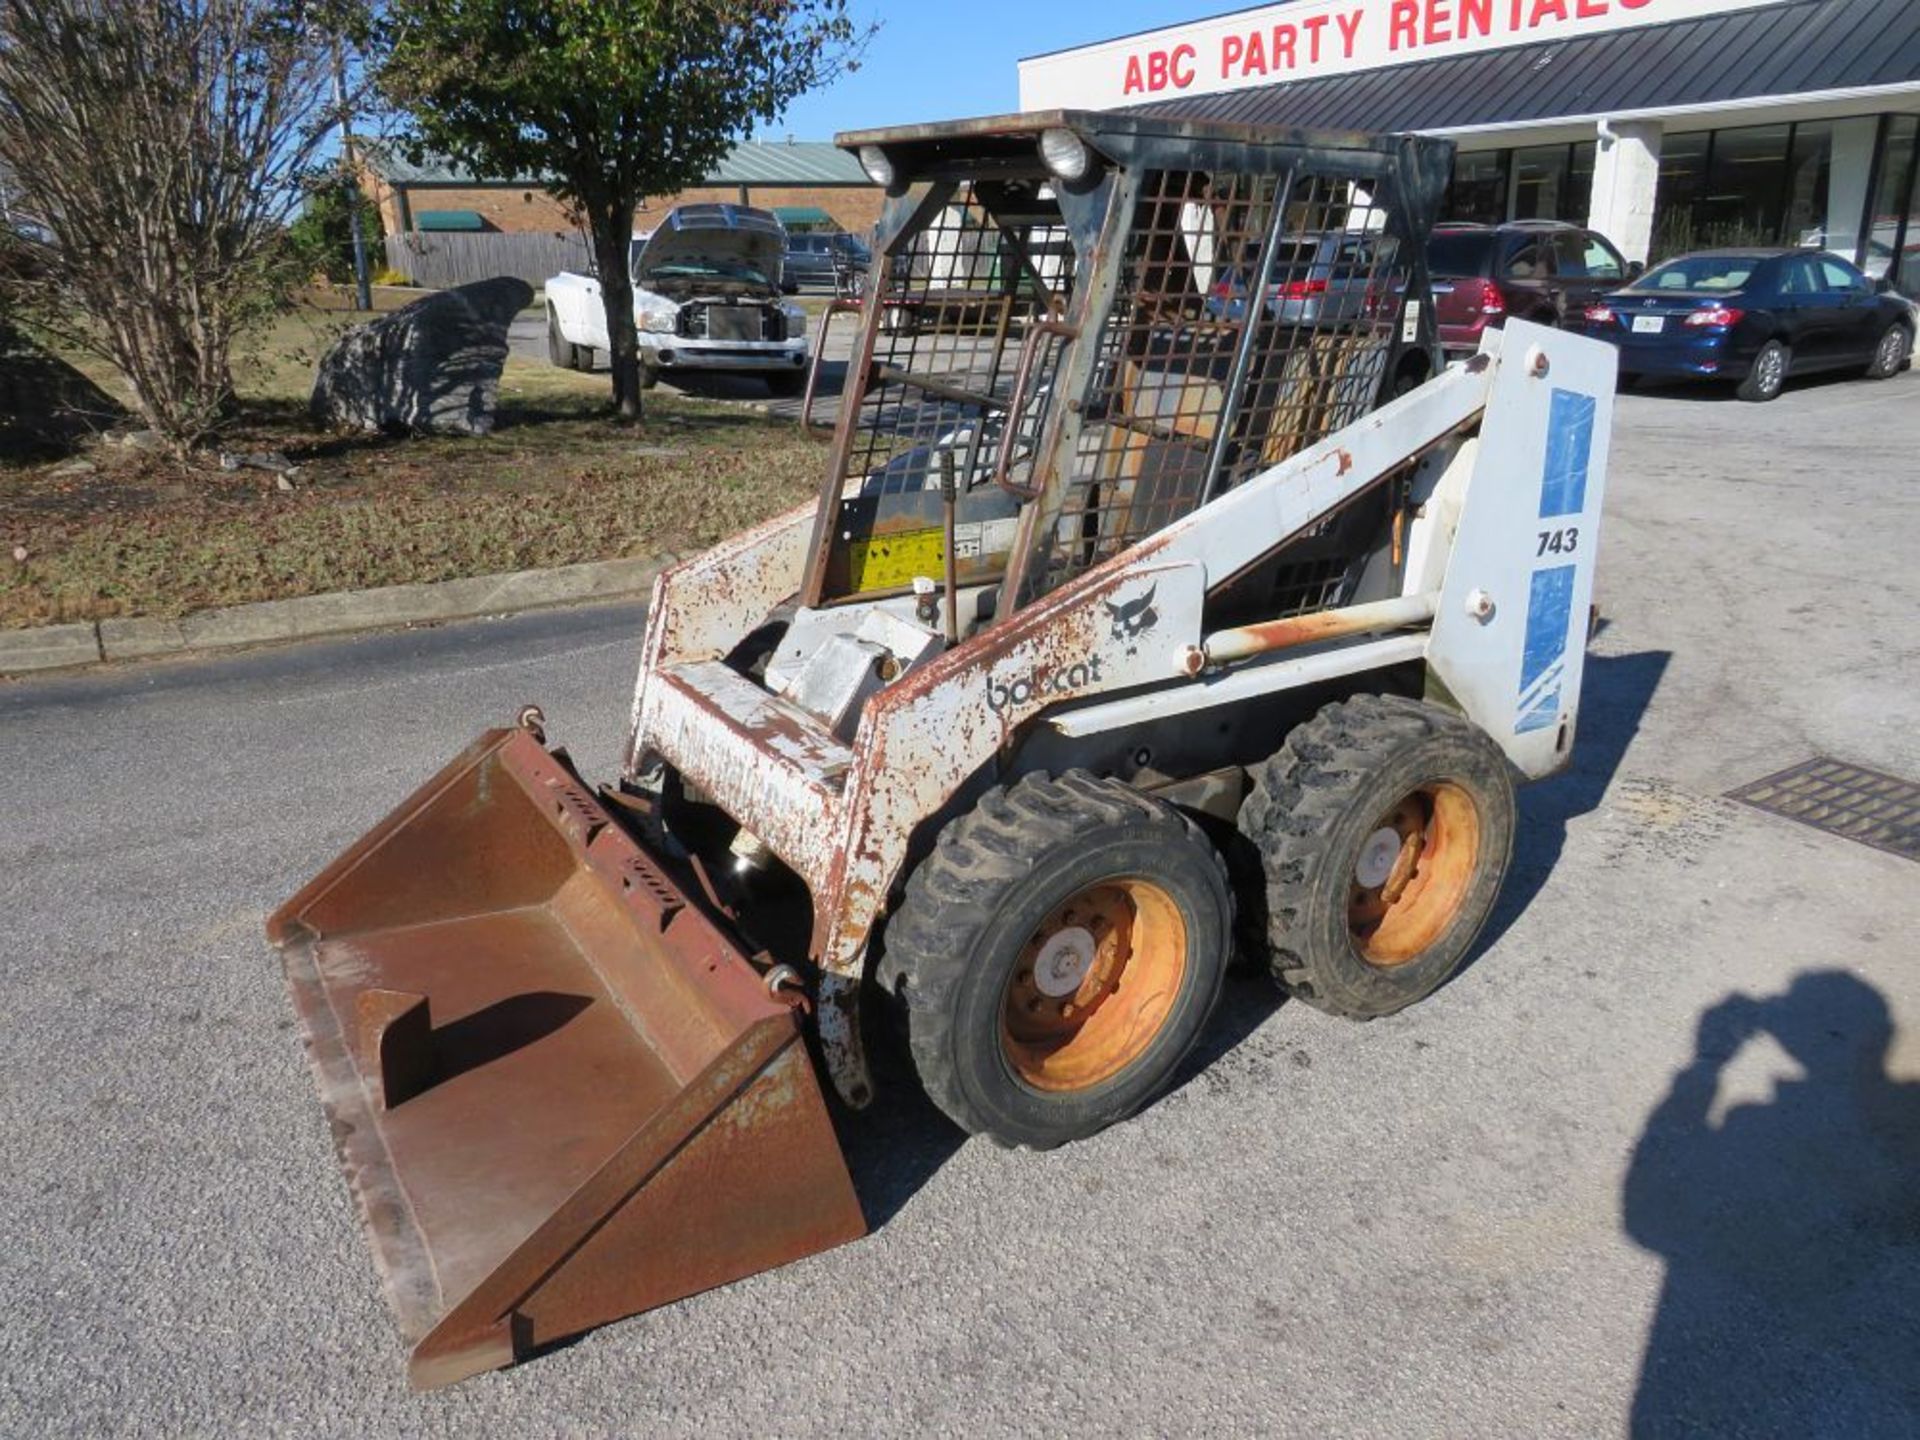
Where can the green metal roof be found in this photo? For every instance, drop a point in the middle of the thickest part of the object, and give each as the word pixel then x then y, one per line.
pixel 752 162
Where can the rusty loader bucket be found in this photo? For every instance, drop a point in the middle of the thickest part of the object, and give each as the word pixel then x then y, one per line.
pixel 560 1092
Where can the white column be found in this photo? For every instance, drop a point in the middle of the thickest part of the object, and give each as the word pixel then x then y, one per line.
pixel 1626 175
pixel 1847 175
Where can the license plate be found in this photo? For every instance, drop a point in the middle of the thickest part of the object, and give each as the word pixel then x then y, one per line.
pixel 1649 324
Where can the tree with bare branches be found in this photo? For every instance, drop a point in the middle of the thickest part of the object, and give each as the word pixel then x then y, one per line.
pixel 156 149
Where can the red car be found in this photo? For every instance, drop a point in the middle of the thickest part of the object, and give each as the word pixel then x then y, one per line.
pixel 1540 270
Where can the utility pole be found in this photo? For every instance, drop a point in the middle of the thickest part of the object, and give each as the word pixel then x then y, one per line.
pixel 349 178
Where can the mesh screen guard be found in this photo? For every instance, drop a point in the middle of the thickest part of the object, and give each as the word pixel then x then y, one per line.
pixel 1222 320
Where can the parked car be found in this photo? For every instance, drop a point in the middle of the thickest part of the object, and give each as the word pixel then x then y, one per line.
pixel 822 258
pixel 1326 278
pixel 1755 316
pixel 1541 270
pixel 706 296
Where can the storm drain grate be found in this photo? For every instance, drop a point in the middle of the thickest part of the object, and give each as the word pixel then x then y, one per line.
pixel 1847 800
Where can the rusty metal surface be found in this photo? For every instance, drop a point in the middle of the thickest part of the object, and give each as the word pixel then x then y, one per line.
pixel 702 606
pixel 1241 641
pixel 560 1092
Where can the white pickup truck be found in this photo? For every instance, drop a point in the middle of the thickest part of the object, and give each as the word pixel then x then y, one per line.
pixel 706 296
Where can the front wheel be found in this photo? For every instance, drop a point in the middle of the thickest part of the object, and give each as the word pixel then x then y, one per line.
pixel 1058 954
pixel 1769 373
pixel 1384 827
pixel 1891 353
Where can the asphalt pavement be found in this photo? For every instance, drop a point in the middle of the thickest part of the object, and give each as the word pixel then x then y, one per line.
pixel 1581 1191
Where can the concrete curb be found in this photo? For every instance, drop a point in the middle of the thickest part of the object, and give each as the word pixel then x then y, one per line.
pixel 60 647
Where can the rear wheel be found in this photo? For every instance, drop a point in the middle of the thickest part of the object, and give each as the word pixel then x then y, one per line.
pixel 1769 373
pixel 559 351
pixel 1058 954
pixel 1384 828
pixel 1891 353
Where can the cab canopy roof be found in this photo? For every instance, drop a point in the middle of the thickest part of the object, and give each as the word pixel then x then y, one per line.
pixel 1163 137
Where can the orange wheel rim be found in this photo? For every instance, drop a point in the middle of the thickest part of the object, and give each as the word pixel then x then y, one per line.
pixel 1093 985
pixel 1412 874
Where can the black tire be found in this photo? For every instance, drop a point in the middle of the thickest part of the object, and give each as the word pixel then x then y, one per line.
pixel 1891 354
pixel 965 945
pixel 559 351
pixel 1319 809
pixel 649 376
pixel 1767 376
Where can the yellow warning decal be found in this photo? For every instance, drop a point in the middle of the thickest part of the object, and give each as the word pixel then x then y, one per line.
pixel 889 562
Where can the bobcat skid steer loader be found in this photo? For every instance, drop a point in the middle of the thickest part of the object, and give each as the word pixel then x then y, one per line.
pixel 1162 594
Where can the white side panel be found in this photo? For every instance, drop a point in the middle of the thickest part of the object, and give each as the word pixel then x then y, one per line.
pixel 1509 641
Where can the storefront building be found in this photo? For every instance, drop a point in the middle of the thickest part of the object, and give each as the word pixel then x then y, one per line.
pixel 1668 125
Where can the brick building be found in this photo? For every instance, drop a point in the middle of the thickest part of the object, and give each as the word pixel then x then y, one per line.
pixel 809 184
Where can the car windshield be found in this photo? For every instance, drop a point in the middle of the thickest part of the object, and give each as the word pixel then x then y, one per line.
pixel 1461 253
pixel 1711 273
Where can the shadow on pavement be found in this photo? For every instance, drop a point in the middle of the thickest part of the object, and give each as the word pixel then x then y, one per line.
pixel 1790 1229
pixel 1614 695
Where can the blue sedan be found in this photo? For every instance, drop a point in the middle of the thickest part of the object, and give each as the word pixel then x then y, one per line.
pixel 1754 316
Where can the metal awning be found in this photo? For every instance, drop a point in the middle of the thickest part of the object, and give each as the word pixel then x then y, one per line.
pixel 1807 47
pixel 449 220
pixel 804 217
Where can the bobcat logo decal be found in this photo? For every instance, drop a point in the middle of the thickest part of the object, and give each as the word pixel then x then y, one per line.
pixel 1133 619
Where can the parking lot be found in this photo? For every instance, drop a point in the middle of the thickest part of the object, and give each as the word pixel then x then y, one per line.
pixel 1497 1213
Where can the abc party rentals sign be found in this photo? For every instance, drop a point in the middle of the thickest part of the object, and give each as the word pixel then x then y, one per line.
pixel 1311 38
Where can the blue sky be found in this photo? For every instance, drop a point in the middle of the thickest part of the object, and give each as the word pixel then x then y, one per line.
pixel 934 61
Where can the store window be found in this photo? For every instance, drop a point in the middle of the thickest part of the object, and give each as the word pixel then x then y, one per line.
pixel 1553 182
pixel 1893 233
pixel 1539 181
pixel 1740 201
pixel 1478 191
pixel 1683 172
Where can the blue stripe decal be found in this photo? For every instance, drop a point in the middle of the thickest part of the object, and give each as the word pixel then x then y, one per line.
pixel 1543 658
pixel 1563 488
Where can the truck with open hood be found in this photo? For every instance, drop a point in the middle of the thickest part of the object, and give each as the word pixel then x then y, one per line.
pixel 706 297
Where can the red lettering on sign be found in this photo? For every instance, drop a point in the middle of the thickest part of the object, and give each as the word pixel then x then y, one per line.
pixel 1475 15
pixel 1543 8
pixel 1313 25
pixel 1591 9
pixel 1439 18
pixel 1231 48
pixel 1256 61
pixel 1181 68
pixel 1403 24
pixel 1349 23
pixel 1283 47
pixel 1633 4
pixel 1134 82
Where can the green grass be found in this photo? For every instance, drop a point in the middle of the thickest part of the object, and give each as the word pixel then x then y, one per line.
pixel 557 483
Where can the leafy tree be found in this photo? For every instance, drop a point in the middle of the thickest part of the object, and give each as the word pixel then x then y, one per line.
pixel 322 238
pixel 155 149
pixel 612 100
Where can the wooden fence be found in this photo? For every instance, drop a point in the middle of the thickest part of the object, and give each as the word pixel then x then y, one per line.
pixel 439 259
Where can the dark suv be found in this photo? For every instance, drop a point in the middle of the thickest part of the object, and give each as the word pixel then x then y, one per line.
pixel 821 258
pixel 1542 270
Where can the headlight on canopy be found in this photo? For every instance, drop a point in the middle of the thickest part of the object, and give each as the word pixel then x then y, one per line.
pixel 879 168
pixel 1065 154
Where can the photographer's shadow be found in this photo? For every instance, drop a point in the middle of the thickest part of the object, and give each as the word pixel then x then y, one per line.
pixel 1791 1229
